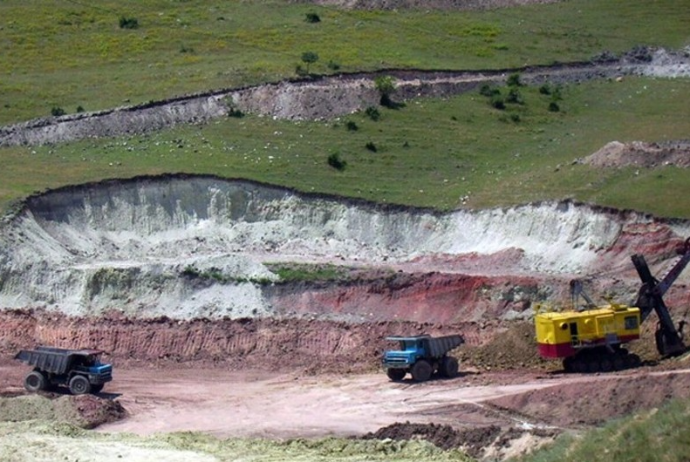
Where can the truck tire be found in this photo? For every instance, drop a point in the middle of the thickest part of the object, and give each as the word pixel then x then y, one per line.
pixel 449 367
pixel 35 381
pixel 421 371
pixel 79 385
pixel 396 375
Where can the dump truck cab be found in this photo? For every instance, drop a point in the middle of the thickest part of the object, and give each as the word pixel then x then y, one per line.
pixel 411 349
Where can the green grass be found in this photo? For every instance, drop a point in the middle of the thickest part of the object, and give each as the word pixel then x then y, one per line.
pixel 658 435
pixel 68 54
pixel 430 153
pixel 296 272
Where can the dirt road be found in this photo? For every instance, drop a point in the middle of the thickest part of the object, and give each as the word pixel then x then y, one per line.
pixel 259 404
pixel 279 406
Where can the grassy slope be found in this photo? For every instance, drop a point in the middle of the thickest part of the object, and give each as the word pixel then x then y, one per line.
pixel 444 151
pixel 73 53
pixel 657 435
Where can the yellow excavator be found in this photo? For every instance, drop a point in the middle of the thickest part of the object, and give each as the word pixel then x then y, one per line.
pixel 592 339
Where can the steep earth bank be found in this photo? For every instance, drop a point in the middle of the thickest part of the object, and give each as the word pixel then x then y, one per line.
pixel 188 269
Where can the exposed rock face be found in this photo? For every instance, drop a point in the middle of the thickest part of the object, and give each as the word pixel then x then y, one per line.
pixel 200 247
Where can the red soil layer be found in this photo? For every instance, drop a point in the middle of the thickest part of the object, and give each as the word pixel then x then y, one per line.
pixel 273 344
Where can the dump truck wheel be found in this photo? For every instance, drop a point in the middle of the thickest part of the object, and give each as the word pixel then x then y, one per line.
pixel 35 381
pixel 606 365
pixel 449 367
pixel 79 385
pixel 632 361
pixel 421 371
pixel 618 363
pixel 97 388
pixel 396 375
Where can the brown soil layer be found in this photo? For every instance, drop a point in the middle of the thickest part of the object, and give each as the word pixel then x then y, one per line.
pixel 310 345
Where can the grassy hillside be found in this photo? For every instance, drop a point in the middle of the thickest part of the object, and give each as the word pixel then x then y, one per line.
pixel 444 154
pixel 74 55
pixel 658 434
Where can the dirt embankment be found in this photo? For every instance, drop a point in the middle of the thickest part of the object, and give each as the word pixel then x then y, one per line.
pixel 328 97
pixel 640 154
pixel 85 411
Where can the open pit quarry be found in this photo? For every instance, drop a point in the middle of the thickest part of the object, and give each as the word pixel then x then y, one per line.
pixel 178 279
pixel 182 281
pixel 184 249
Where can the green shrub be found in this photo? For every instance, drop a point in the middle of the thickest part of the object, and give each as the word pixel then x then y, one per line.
pixel 351 126
pixel 371 146
pixel 335 161
pixel 185 49
pixel 373 113
pixel 234 112
pixel 545 89
pixel 57 111
pixel 191 272
pixel 514 80
pixel 312 18
pixel 497 102
pixel 489 90
pixel 128 23
pixel 332 65
pixel 514 96
pixel 80 108
pixel 554 107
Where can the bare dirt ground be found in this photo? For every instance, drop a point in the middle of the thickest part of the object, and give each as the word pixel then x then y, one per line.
pixel 484 413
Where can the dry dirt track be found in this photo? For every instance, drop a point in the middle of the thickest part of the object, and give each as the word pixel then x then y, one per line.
pixel 232 404
pixel 279 406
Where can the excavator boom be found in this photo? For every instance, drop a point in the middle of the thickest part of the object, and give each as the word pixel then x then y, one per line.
pixel 650 298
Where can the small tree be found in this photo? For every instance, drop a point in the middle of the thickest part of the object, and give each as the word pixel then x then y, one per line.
pixel 308 58
pixel 385 85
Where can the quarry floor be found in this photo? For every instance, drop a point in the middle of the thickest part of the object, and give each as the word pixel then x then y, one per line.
pixel 525 407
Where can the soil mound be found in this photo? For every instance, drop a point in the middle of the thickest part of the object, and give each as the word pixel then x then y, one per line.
pixel 477 442
pixel 641 154
pixel 594 402
pixel 85 411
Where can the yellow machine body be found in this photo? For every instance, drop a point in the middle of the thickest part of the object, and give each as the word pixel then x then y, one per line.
pixel 562 334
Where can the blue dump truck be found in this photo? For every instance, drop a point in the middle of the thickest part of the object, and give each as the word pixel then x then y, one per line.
pixel 80 370
pixel 422 356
